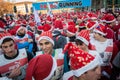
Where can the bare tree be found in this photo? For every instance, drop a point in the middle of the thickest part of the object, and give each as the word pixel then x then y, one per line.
pixel 5 7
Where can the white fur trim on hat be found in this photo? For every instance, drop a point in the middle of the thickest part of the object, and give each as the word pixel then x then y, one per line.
pixel 95 25
pixel 110 21
pixel 97 31
pixel 52 28
pixel 57 29
pixel 88 67
pixel 1 29
pixel 1 40
pixel 47 38
pixel 83 40
pixel 21 28
pixel 102 20
pixel 102 10
pixel 54 66
pixel 12 24
pixel 67 75
pixel 70 32
pixel 93 18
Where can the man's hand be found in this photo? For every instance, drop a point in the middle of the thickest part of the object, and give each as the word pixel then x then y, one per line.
pixel 30 40
pixel 14 73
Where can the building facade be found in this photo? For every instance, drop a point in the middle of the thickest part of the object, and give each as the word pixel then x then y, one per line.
pixel 23 7
pixel 109 4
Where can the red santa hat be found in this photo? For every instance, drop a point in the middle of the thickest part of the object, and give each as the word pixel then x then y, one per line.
pixel 40 28
pixel 58 24
pixel 32 24
pixel 91 24
pixel 2 25
pixel 68 16
pixel 100 29
pixel 4 36
pixel 17 28
pixel 110 18
pixel 47 27
pixel 82 25
pixel 79 16
pixel 81 61
pixel 85 17
pixel 92 15
pixel 71 23
pixel 41 67
pixel 24 22
pixel 48 18
pixel 84 36
pixel 18 22
pixel 47 36
pixel 12 23
pixel 71 29
pixel 103 18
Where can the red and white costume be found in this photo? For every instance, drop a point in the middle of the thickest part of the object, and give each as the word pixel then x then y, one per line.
pixel 6 65
pixel 105 49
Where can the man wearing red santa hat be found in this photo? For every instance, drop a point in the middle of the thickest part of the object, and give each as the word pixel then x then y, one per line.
pixel 58 37
pixel 110 21
pixel 82 41
pixel 71 32
pixel 84 66
pixel 105 47
pixel 23 39
pixel 31 29
pixel 46 44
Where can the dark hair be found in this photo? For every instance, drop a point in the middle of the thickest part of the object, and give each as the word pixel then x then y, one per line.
pixel 7 40
pixel 80 29
pixel 78 42
pixel 72 39
pixel 101 35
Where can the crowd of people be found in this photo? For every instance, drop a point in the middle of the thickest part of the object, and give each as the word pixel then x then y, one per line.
pixel 81 45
